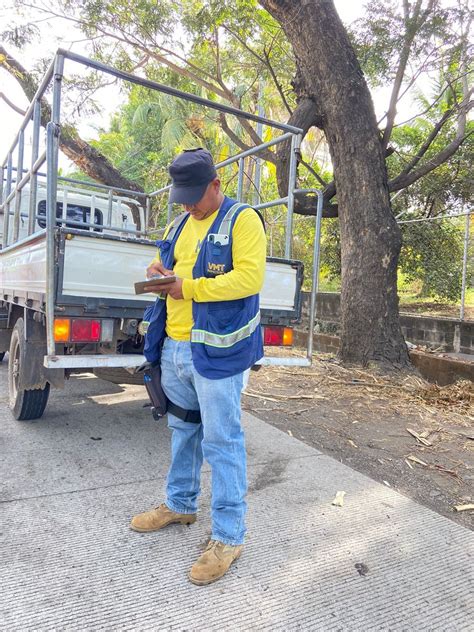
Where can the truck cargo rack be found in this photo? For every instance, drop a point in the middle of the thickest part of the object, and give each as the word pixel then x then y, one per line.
pixel 10 196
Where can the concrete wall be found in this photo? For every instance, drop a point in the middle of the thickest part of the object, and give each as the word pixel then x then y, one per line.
pixel 449 334
pixel 433 367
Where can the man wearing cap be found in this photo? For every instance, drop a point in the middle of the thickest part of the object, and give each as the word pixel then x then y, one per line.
pixel 206 333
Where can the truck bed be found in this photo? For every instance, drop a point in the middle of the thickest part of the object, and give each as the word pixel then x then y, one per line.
pixel 98 272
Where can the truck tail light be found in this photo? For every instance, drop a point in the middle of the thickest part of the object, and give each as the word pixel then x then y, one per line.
pixel 287 336
pixel 76 330
pixel 85 330
pixel 277 336
pixel 62 329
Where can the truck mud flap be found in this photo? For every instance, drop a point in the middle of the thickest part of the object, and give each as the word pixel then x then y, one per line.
pixel 34 374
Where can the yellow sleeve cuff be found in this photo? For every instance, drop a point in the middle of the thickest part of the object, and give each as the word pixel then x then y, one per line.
pixel 188 289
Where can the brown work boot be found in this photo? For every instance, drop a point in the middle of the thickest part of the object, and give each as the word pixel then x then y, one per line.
pixel 214 562
pixel 159 518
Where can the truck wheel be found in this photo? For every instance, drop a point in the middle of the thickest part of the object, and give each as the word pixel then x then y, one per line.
pixel 24 404
pixel 118 375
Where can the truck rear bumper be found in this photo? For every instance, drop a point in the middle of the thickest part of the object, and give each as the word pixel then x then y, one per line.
pixel 93 361
pixel 133 360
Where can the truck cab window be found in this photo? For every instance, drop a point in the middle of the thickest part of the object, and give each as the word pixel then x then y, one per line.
pixel 75 213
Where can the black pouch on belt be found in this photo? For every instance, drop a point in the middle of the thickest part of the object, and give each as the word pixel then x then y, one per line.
pixel 158 399
pixel 160 404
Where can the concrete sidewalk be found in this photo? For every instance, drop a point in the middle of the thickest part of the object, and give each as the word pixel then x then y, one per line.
pixel 71 482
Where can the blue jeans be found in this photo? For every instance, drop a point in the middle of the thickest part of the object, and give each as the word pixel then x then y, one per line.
pixel 219 439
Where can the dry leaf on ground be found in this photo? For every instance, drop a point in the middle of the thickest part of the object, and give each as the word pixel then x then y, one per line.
pixel 339 499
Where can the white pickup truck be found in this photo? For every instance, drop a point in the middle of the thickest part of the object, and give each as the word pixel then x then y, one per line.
pixel 70 255
pixel 96 312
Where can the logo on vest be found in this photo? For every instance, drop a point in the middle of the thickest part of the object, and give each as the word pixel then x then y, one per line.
pixel 215 268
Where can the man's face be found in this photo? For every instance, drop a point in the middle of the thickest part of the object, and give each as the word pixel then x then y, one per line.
pixel 209 202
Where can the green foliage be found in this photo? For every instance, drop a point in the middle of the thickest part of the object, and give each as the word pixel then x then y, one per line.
pixel 378 38
pixel 430 263
pixel 20 35
pixel 330 254
pixel 449 187
pixel 215 46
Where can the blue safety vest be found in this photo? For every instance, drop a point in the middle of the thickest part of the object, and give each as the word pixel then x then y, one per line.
pixel 226 338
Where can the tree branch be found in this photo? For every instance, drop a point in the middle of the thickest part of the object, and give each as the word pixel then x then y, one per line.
pixel 231 134
pixel 426 145
pixel 412 26
pixel 159 55
pixel 11 104
pixel 311 170
pixel 277 84
pixel 408 176
pixel 87 158
pixel 264 61
pixel 461 76
pixel 218 59
pixel 401 182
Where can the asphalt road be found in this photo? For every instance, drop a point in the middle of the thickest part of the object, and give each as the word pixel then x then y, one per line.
pixel 72 481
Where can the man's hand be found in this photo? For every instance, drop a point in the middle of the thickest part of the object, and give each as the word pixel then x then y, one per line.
pixel 175 290
pixel 156 267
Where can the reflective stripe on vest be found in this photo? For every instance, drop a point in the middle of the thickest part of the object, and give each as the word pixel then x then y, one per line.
pixel 224 228
pixel 175 226
pixel 226 340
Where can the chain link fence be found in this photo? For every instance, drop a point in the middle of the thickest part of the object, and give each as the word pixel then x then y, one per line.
pixel 436 268
pixel 436 265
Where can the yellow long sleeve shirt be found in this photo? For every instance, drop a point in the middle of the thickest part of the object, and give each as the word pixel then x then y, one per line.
pixel 245 279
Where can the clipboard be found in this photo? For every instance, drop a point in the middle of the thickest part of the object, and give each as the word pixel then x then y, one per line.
pixel 154 284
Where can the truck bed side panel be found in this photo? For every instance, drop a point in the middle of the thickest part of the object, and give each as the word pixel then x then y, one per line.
pixel 23 268
pixel 103 268
pixel 280 287
pixel 108 269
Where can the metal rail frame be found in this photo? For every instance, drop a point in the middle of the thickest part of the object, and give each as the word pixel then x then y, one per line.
pixel 13 189
pixel 467 227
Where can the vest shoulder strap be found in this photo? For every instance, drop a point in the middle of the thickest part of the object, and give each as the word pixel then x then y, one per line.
pixel 175 226
pixel 227 221
pixel 229 216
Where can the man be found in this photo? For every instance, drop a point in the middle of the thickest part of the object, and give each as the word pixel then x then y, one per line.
pixel 209 331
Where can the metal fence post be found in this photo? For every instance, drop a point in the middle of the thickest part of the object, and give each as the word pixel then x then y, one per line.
pixel 315 279
pixel 464 264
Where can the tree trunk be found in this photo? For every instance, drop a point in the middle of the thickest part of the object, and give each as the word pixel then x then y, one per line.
pixel 370 237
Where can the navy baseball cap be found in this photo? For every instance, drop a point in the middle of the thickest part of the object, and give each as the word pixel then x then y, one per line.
pixel 191 173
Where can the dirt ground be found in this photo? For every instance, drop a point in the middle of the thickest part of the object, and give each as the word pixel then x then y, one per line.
pixel 400 430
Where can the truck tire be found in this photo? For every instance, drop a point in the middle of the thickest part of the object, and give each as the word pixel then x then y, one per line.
pixel 118 375
pixel 24 404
